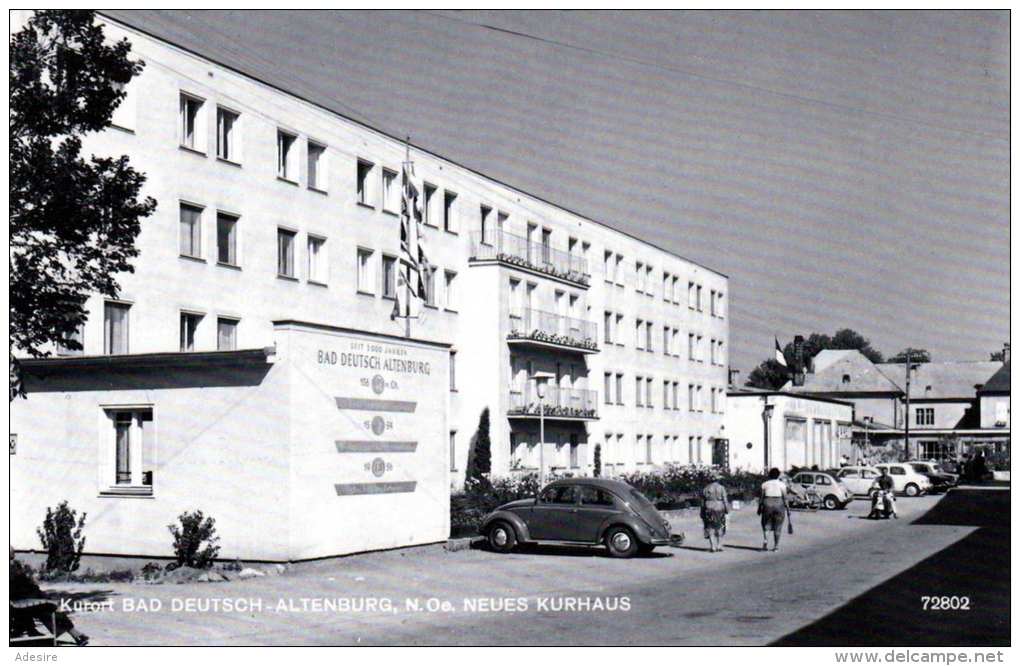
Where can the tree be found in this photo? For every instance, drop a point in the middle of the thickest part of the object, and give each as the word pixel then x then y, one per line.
pixel 597 462
pixel 480 456
pixel 848 339
pixel 769 375
pixel 999 356
pixel 73 222
pixel 916 356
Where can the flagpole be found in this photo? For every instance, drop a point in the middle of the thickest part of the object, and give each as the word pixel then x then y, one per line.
pixel 407 282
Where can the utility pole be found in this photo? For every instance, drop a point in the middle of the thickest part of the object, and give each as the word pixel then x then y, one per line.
pixel 906 416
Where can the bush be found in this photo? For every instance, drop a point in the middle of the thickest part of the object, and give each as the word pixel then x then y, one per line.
pixel 479 462
pixel 674 484
pixel 195 529
pixel 468 508
pixel 61 537
pixel 597 462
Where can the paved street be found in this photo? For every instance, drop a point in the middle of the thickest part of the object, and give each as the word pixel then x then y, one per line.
pixel 682 596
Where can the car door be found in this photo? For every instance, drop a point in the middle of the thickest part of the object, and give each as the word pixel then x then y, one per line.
pixel 899 477
pixel 806 480
pixel 555 514
pixel 852 479
pixel 596 506
pixel 869 478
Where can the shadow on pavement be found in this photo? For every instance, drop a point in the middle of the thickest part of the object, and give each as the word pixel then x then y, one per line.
pixel 976 567
pixel 581 551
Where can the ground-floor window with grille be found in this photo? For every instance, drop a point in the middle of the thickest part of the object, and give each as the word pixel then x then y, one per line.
pixel 128 453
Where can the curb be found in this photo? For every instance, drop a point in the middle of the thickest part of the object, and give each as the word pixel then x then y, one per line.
pixel 462 543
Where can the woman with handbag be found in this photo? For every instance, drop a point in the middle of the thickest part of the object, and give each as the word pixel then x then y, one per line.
pixel 715 507
pixel 773 509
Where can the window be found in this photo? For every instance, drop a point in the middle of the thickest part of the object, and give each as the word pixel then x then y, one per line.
pixel 390 192
pixel 648 449
pixel 648 392
pixel 226 334
pixel 226 137
pixel 691 398
pixel 366 279
pixel 115 328
pixel 648 336
pixel 429 275
pixel 608 267
pixel 639 389
pixel 364 183
pixel 559 495
pixel 78 336
pixel 699 298
pixel 317 178
pixel 285 167
pixel 698 401
pixel 676 290
pixel 665 394
pixel 666 287
pixel 619 389
pixel 690 347
pixel 485 232
pixel 676 395
pixel 389 276
pixel 639 334
pixel 639 277
pixel 924 416
pixel 595 497
pixel 318 263
pixel 191 231
pixel 226 239
pixel 699 347
pixel 691 295
pixel 450 211
pixel 607 328
pixel 128 459
pixel 428 205
pixel 450 291
pixel 189 329
pixel 639 440
pixel 618 275
pixel 285 252
pixel 453 450
pixel 453 370
pixel 619 325
pixel 648 280
pixel 607 389
pixel 715 401
pixel 124 115
pixel 666 340
pixel 192 125
pixel 711 302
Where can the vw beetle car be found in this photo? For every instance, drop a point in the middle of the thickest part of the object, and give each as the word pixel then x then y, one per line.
pixel 581 511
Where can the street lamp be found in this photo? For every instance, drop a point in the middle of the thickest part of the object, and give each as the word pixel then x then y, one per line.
pixel 541 378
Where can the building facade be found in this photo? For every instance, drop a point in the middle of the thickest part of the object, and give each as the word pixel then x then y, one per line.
pixel 954 407
pixel 272 209
pixel 797 430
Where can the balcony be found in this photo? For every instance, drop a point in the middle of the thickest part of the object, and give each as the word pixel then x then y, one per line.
pixel 559 404
pixel 550 330
pixel 519 252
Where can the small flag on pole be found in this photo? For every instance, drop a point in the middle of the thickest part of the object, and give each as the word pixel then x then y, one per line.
pixel 780 358
pixel 414 261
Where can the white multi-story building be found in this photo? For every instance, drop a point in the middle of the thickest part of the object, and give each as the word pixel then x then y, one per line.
pixel 273 211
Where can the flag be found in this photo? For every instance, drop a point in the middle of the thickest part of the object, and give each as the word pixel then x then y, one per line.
pixel 414 263
pixel 780 359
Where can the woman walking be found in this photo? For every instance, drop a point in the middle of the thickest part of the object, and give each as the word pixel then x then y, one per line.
pixel 773 509
pixel 715 507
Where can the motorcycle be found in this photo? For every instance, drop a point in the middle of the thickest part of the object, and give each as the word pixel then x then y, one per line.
pixel 883 505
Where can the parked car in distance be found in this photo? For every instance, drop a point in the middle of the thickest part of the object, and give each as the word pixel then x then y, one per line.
pixel 906 480
pixel 834 494
pixel 581 511
pixel 861 481
pixel 941 481
pixel 797 495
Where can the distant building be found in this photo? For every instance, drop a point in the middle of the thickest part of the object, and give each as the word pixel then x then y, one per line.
pixel 803 430
pixel 955 407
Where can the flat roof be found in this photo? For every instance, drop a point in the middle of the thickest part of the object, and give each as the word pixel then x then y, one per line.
pixel 135 21
pixel 751 392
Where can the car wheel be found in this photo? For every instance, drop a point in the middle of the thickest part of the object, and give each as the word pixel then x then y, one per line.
pixel 831 502
pixel 621 542
pixel 912 490
pixel 502 538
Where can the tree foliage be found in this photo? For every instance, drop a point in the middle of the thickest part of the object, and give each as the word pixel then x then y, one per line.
pixel 916 356
pixel 73 221
pixel 771 375
pixel 480 455
pixel 195 540
pixel 62 539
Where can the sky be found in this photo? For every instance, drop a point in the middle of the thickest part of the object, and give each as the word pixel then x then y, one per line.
pixel 844 169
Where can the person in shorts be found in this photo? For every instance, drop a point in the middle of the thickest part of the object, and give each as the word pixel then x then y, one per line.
pixel 772 508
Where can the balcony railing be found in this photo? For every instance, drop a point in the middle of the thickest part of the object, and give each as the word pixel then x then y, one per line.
pixel 507 248
pixel 549 327
pixel 558 402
